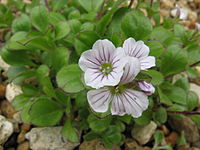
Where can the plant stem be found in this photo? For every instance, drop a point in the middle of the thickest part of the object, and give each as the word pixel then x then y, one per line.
pixel 183 112
pixel 47 4
pixel 151 3
pixel 130 4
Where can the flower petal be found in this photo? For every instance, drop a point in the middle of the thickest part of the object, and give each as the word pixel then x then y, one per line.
pixel 131 69
pixel 93 78
pixel 147 88
pixel 135 49
pixel 130 102
pixel 88 60
pixel 104 50
pixel 99 99
pixel 147 62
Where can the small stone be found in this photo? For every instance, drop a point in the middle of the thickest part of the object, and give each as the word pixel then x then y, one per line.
pixel 12 90
pixel 196 89
pixel 15 125
pixel 192 16
pixel 167 4
pixel 17 117
pixel 131 144
pixel 172 138
pixel 26 127
pixel 46 138
pixel 6 129
pixel 24 146
pixel 95 144
pixel 164 129
pixel 143 134
pixel 187 125
pixel 7 109
pixel 21 137
pixel 184 147
pixel 164 12
pixel 194 148
pixel 2 90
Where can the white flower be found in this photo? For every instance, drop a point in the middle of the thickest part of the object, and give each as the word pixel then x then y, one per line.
pixel 182 13
pixel 103 64
pixel 123 100
pixel 147 88
pixel 140 51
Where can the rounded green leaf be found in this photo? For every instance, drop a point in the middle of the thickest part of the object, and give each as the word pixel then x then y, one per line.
pixel 45 113
pixel 40 18
pixel 160 115
pixel 136 25
pixel 61 30
pixel 90 5
pixel 69 79
pixel 174 60
pixel 23 23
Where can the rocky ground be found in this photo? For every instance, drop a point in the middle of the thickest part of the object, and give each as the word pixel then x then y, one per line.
pixel 16 135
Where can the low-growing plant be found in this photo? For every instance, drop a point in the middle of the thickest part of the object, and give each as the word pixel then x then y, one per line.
pixel 50 46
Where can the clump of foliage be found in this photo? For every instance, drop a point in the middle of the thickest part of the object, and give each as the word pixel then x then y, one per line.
pixel 45 42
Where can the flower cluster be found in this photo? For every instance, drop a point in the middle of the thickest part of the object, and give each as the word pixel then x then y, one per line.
pixel 111 72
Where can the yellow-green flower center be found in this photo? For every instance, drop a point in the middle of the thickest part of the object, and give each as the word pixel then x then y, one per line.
pixel 106 68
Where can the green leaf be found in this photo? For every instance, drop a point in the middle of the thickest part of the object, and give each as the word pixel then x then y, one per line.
pixel 45 82
pixel 87 39
pixel 61 30
pixel 20 101
pixel 163 98
pixel 156 48
pixel 192 100
pixel 29 90
pixel 69 79
pixel 87 26
pixel 176 94
pixel 23 23
pixel 161 34
pixel 145 118
pixel 25 114
pixel 81 99
pixel 174 60
pixel 196 119
pixel 19 58
pixel 115 26
pixel 75 25
pixel 183 83
pixel 54 17
pixel 75 14
pixel 160 115
pixel 59 58
pixel 136 25
pixel 70 132
pixel 158 137
pixel 59 4
pixel 182 141
pixel 98 125
pixel 40 18
pixel 91 5
pixel 42 111
pixel 156 77
pixel 91 136
pixel 112 136
pixel 104 22
pixel 193 53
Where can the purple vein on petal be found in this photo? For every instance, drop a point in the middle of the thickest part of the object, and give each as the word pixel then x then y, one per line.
pixel 92 62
